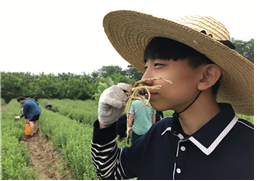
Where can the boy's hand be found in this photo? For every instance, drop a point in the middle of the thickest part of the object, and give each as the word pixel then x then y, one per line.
pixel 16 117
pixel 112 103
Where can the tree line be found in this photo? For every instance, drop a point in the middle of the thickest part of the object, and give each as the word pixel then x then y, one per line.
pixel 83 86
pixel 63 85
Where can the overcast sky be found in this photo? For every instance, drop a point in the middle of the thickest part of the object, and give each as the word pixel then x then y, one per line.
pixel 55 36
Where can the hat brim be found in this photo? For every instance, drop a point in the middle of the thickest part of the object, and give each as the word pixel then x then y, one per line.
pixel 130 32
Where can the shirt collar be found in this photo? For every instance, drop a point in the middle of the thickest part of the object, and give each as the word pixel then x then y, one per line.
pixel 210 135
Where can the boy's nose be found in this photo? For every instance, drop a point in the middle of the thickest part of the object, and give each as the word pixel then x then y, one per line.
pixel 147 76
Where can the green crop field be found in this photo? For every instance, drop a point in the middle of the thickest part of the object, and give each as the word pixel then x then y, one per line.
pixel 70 129
pixel 14 153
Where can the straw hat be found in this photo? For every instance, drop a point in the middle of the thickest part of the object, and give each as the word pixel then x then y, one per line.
pixel 130 32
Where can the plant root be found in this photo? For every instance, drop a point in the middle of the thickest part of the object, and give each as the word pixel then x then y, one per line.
pixel 133 93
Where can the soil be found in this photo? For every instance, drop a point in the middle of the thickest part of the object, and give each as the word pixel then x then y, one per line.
pixel 48 161
pixel 50 164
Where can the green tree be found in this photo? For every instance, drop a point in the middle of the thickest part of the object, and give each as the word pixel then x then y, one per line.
pixel 11 86
pixel 106 71
pixel 245 48
pixel 133 73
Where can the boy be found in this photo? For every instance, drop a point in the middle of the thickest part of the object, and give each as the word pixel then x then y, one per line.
pixel 204 139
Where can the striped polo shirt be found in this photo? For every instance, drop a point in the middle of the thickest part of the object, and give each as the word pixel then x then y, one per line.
pixel 222 149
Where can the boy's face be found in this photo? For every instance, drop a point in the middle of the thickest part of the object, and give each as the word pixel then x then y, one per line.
pixel 181 92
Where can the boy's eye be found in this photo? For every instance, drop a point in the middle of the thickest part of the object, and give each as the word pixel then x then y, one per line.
pixel 145 67
pixel 158 64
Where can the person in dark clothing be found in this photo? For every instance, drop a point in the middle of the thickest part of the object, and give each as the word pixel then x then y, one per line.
pixel 204 80
pixel 121 127
pixel 49 107
pixel 159 115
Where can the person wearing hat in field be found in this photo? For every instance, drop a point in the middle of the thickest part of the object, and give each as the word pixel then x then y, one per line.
pixel 204 140
pixel 31 112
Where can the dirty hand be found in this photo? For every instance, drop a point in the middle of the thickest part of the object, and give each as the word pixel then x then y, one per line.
pixel 16 117
pixel 112 103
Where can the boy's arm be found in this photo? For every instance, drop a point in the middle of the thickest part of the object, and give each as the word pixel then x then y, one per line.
pixel 104 150
pixel 111 162
pixel 105 153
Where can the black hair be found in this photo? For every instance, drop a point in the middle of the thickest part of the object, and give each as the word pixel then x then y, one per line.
pixel 142 92
pixel 48 105
pixel 26 95
pixel 167 49
pixel 19 99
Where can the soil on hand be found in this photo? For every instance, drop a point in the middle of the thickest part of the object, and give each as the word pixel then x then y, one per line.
pixel 50 164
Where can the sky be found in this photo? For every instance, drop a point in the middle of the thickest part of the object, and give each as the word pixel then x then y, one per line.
pixel 55 36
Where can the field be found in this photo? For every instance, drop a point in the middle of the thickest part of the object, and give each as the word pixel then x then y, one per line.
pixel 69 130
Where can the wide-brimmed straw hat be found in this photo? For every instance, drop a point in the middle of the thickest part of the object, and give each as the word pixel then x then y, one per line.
pixel 130 32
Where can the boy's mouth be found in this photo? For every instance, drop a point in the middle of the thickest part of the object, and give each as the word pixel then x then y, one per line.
pixel 152 95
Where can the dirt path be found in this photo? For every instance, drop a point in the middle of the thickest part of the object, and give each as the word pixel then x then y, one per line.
pixel 48 160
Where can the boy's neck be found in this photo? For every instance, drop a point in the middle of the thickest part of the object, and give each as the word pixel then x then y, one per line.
pixel 201 112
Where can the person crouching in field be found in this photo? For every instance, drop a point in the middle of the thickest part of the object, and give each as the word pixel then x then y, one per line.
pixel 49 107
pixel 204 140
pixel 31 112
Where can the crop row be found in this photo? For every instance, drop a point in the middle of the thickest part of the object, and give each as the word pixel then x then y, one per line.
pixel 82 111
pixel 73 139
pixel 15 155
pixel 86 111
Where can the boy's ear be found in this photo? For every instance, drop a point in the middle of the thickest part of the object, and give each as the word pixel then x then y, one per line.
pixel 210 74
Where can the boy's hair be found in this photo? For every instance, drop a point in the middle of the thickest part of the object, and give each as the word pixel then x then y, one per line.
pixel 166 49
pixel 26 95
pixel 19 99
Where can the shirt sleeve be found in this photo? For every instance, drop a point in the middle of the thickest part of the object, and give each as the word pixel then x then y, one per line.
pixel 153 111
pixel 132 108
pixel 36 102
pixel 22 115
pixel 25 111
pixel 107 156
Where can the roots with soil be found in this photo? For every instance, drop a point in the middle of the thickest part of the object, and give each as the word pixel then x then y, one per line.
pixel 133 93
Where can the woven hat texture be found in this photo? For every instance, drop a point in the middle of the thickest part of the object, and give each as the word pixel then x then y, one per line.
pixel 130 32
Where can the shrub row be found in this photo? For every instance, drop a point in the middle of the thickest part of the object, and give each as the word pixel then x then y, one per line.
pixel 82 111
pixel 15 155
pixel 2 101
pixel 73 139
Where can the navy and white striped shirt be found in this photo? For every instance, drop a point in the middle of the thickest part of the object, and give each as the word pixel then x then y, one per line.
pixel 222 149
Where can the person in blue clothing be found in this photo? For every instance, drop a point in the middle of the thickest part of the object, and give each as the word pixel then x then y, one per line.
pixel 140 117
pixel 31 112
